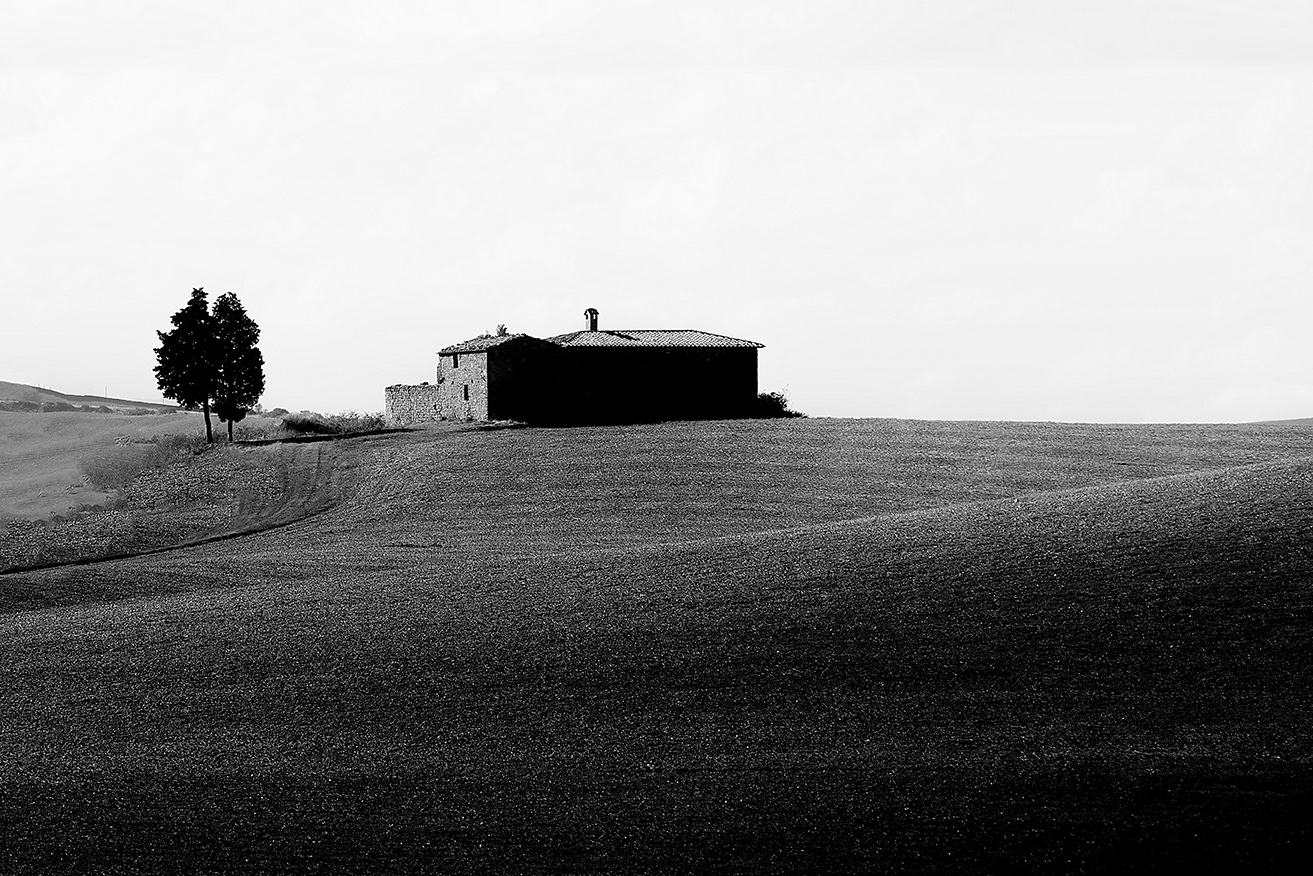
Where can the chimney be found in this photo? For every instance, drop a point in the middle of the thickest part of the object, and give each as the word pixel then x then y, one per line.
pixel 591 316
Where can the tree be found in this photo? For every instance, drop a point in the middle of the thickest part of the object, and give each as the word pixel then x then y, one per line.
pixel 185 372
pixel 238 362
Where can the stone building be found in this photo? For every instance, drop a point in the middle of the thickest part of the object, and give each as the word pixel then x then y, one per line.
pixel 589 376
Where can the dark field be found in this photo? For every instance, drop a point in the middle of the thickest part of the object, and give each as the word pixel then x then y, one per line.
pixel 815 645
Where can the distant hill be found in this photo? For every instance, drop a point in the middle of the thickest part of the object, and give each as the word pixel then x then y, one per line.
pixel 21 397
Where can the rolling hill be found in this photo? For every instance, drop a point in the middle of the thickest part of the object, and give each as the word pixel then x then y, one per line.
pixel 815 645
pixel 40 456
pixel 21 396
pixel 53 445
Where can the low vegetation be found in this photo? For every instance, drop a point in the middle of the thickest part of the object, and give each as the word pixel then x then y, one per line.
pixel 42 457
pixel 49 407
pixel 782 645
pixel 773 405
pixel 346 423
pixel 113 468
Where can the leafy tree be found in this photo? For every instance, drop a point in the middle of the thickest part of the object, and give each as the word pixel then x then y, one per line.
pixel 238 362
pixel 210 360
pixel 185 372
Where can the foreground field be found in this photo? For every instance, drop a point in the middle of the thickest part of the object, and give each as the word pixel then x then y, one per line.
pixel 765 647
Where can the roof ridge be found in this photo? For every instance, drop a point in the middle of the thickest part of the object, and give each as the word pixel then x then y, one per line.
pixel 663 337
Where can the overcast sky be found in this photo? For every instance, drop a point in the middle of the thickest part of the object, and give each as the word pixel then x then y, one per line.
pixel 1090 211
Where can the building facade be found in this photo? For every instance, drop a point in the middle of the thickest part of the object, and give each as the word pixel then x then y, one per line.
pixel 589 376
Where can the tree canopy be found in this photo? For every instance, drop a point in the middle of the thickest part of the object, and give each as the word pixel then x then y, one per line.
pixel 185 371
pixel 210 359
pixel 238 362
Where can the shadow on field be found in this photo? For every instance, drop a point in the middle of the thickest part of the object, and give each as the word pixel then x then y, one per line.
pixel 312 438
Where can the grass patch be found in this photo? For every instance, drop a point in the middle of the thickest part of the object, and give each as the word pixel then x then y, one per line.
pixel 115 467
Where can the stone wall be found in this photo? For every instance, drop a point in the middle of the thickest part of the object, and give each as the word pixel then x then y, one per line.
pixel 464 382
pixel 405 405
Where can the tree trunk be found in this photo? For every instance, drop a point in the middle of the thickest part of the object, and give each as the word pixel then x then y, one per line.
pixel 209 433
pixel 230 431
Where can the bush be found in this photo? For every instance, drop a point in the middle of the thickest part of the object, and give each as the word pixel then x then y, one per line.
pixel 174 446
pixel 308 423
pixel 351 421
pixel 773 405
pixel 258 431
pixel 345 423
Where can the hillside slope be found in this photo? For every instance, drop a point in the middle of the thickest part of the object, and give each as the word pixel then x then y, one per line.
pixel 36 395
pixel 40 456
pixel 677 665
pixel 226 491
pixel 436 497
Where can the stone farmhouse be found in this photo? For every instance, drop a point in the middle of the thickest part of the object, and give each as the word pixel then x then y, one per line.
pixel 589 376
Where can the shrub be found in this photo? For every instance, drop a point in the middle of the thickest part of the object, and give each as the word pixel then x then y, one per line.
pixel 309 423
pixel 174 446
pixel 773 405
pixel 257 431
pixel 351 421
pixel 345 423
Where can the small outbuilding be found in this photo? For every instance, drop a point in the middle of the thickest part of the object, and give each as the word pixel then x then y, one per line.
pixel 588 376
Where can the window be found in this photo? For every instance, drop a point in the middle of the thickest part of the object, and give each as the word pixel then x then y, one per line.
pixel 467 392
pixel 455 360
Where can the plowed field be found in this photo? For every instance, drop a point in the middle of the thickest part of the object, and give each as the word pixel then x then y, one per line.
pixel 815 645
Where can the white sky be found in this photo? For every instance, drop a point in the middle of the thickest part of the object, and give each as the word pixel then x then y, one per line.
pixel 1097 211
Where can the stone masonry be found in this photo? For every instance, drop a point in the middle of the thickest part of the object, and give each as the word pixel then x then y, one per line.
pixel 406 405
pixel 464 382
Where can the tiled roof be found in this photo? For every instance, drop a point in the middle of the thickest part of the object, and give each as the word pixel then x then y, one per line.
pixel 477 345
pixel 649 338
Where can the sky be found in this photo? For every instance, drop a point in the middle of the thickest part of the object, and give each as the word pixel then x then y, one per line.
pixel 946 209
